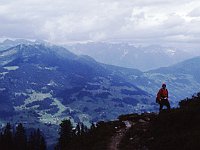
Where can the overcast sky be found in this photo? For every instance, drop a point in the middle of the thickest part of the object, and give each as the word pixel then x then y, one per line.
pixel 139 21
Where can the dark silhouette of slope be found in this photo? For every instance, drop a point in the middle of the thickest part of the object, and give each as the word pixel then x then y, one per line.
pixel 169 130
pixel 98 137
pixel 140 126
pixel 177 129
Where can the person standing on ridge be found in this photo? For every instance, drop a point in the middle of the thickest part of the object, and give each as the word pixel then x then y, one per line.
pixel 162 97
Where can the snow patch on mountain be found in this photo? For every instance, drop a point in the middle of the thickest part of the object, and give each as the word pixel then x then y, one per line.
pixel 11 68
pixel 52 83
pixel 125 52
pixel 170 52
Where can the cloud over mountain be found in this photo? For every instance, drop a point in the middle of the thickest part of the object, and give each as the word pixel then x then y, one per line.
pixel 139 21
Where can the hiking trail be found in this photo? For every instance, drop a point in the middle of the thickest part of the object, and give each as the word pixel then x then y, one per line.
pixel 115 140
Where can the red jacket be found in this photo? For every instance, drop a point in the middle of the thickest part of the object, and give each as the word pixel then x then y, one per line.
pixel 162 93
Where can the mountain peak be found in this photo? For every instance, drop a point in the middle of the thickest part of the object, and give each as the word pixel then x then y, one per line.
pixel 8 41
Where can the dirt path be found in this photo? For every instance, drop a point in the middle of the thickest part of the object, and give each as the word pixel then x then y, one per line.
pixel 118 136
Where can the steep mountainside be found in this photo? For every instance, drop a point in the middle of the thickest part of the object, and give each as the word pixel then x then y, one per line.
pixel 190 67
pixel 11 43
pixel 182 79
pixel 48 83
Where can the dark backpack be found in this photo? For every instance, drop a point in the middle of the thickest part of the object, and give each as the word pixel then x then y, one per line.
pixel 157 100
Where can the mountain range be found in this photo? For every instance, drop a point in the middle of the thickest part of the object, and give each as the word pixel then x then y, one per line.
pixel 42 84
pixel 130 56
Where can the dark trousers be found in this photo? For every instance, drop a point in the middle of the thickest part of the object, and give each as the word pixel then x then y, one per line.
pixel 164 102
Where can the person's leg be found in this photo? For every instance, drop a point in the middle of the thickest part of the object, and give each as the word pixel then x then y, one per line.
pixel 161 105
pixel 168 105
